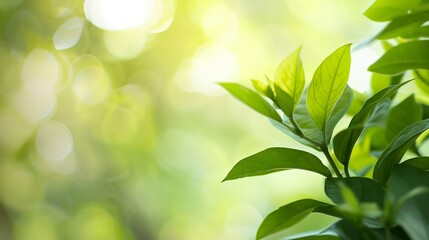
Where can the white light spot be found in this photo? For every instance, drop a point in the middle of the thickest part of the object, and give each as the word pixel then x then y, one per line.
pixel 40 72
pixel 68 34
pixel 54 141
pixel 359 78
pixel 34 108
pixel 118 15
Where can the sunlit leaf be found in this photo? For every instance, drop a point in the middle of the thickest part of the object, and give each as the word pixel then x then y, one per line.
pixel 384 10
pixel 406 56
pixel 287 128
pixel 339 111
pixel 263 88
pixel 402 115
pixel 396 150
pixel 403 25
pixel 290 79
pixel 329 82
pixel 287 216
pixel 305 123
pixel 252 99
pixel 277 159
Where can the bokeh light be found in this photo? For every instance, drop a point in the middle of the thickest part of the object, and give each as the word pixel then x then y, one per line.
pixel 112 125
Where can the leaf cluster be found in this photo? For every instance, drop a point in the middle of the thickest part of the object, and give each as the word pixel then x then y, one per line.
pixel 380 198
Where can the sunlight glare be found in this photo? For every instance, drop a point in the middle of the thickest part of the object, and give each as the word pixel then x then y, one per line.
pixel 116 15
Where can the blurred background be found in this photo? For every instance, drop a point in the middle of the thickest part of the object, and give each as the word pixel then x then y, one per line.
pixel 112 126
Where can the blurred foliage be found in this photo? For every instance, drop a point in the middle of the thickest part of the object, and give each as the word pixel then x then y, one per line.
pixel 110 119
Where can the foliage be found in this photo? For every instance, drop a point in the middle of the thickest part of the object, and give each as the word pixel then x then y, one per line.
pixel 390 204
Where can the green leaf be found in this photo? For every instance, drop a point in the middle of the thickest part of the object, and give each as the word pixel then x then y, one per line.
pixel 339 111
pixel 405 113
pixel 365 189
pixel 305 123
pixel 329 82
pixel 346 230
pixel 421 163
pixel 290 79
pixel 422 31
pixel 252 99
pixel 385 10
pixel 406 56
pixel 380 81
pixel 343 146
pixel 286 128
pixel 396 149
pixel 277 159
pixel 263 88
pixel 413 213
pixel 287 216
pixel 403 25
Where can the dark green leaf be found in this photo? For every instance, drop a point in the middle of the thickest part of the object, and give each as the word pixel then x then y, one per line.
pixel 365 189
pixel 287 216
pixel 252 99
pixel 396 149
pixel 405 113
pixel 385 10
pixel 339 111
pixel 329 82
pixel 290 80
pixel 343 146
pixel 277 159
pixel 413 214
pixel 403 25
pixel 346 230
pixel 421 163
pixel 406 56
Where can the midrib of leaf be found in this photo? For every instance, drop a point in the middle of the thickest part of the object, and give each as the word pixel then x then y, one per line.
pixel 329 96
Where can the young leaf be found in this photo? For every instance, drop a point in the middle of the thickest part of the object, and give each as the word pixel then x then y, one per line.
pixel 385 10
pixel 343 146
pixel 403 25
pixel 396 120
pixel 396 149
pixel 329 82
pixel 277 159
pixel 263 88
pixel 290 80
pixel 421 163
pixel 287 216
pixel 339 111
pixel 406 56
pixel 365 189
pixel 251 99
pixel 304 121
pixel 287 128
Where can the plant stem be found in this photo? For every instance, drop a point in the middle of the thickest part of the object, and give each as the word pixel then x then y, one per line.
pixel 331 161
pixel 346 170
pixel 388 233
